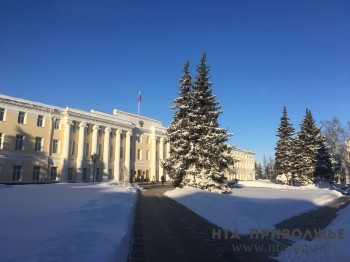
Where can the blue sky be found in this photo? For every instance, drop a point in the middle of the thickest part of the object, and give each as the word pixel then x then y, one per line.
pixel 263 55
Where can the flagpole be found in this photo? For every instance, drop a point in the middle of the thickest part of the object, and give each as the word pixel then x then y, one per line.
pixel 139 99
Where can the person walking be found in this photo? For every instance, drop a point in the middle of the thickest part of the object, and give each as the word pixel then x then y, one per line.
pixel 163 179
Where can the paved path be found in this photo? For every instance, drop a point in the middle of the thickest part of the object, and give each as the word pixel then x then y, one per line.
pixel 167 231
pixel 315 219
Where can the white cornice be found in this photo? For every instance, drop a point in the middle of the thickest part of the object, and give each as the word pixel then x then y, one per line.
pixel 116 112
pixel 119 119
pixel 22 103
pixel 242 150
pixel 90 118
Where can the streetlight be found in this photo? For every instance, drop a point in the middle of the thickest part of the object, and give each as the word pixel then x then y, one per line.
pixel 94 158
pixel 49 161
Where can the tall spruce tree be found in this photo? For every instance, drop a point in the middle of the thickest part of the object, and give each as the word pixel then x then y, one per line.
pixel 283 153
pixel 306 148
pixel 177 132
pixel 208 156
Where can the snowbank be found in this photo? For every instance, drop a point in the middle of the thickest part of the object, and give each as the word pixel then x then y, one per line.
pixel 270 184
pixel 256 205
pixel 323 250
pixel 66 222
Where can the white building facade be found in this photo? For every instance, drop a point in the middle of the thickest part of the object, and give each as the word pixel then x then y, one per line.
pixel 244 165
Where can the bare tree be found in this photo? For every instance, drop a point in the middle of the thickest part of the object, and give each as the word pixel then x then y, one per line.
pixel 271 164
pixel 258 171
pixel 268 168
pixel 337 137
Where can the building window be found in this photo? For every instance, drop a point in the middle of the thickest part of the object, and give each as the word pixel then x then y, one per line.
pixel 38 144
pixel 36 173
pixel 16 175
pixel 99 150
pixel 40 121
pixel 72 127
pixel 139 154
pixel 21 117
pixel 86 149
pixel 148 155
pixel 121 153
pixel 99 132
pixel 111 134
pixel 2 140
pixel 70 173
pixel 2 114
pixel 53 173
pixel 55 146
pixel 87 130
pixel 72 147
pixel 19 142
pixel 57 123
pixel 85 174
pixel 110 151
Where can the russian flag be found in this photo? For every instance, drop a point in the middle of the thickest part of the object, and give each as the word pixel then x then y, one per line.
pixel 139 98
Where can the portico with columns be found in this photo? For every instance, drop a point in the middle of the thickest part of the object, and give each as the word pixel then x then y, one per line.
pixel 122 155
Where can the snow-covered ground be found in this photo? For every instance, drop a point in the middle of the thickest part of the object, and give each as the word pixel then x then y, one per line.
pixel 323 250
pixel 66 222
pixel 256 205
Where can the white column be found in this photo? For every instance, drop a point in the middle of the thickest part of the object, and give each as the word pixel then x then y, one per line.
pixel 168 150
pixel 167 155
pixel 117 156
pixel 95 129
pixel 127 157
pixel 106 151
pixel 94 139
pixel 154 155
pixel 161 153
pixel 80 151
pixel 65 151
pixel 245 167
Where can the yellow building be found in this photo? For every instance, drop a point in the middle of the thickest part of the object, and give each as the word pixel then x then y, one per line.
pixel 244 165
pixel 42 143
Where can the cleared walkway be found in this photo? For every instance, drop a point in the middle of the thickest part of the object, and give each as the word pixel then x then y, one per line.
pixel 167 231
